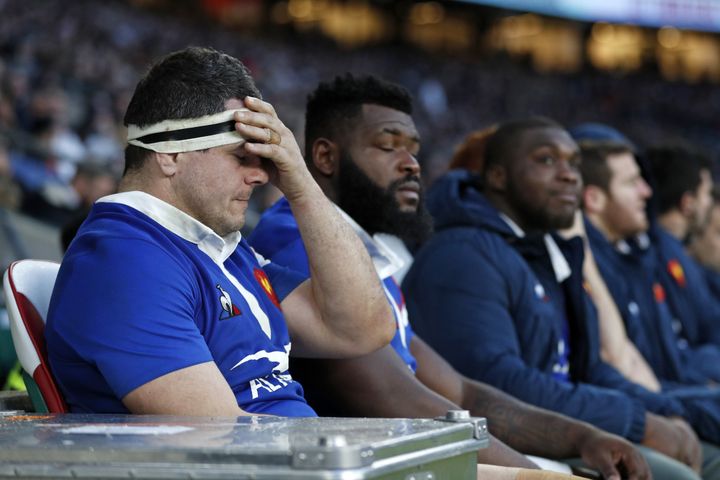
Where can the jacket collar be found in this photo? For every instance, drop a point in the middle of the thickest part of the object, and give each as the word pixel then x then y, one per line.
pixel 560 265
pixel 178 222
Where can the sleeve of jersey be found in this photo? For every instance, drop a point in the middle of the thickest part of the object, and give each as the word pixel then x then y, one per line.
pixel 292 256
pixel 285 278
pixel 458 302
pixel 134 316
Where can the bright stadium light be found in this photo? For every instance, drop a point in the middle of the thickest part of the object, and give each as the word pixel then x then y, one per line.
pixel 683 14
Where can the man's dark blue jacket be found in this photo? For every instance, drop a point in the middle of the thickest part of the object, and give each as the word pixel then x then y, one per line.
pixel 712 277
pixel 487 310
pixel 665 303
pixel 630 272
pixel 693 305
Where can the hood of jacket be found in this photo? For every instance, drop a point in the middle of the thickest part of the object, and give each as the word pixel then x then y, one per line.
pixel 456 200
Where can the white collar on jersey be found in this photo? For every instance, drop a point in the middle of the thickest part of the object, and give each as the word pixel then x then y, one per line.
pixel 180 223
pixel 560 265
pixel 386 262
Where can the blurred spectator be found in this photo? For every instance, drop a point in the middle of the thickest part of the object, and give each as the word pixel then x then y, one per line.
pixel 705 246
pixel 58 204
pixel 9 190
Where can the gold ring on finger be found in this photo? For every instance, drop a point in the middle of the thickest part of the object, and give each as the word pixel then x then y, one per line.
pixel 274 138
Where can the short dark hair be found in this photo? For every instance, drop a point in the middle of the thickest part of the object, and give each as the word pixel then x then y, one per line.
pixel 675 171
pixel 501 143
pixel 333 105
pixel 188 83
pixel 594 167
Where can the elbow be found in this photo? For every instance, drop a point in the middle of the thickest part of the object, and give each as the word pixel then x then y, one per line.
pixel 377 330
pixel 612 356
pixel 607 355
pixel 386 325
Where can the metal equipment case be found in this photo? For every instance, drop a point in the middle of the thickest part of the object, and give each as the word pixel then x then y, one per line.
pixel 164 447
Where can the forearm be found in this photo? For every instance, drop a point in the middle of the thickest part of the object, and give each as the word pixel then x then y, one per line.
pixel 638 370
pixel 376 385
pixel 381 385
pixel 345 311
pixel 345 286
pixel 616 347
pixel 526 428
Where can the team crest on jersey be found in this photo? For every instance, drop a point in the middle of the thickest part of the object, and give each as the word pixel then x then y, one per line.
pixel 229 310
pixel 267 288
pixel 659 293
pixel 677 272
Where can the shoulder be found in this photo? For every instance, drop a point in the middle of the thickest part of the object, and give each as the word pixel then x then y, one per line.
pixel 467 244
pixel 119 235
pixel 461 257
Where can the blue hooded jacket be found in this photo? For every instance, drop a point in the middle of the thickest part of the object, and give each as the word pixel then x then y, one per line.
pixel 488 302
pixel 712 277
pixel 697 311
pixel 630 276
pixel 651 284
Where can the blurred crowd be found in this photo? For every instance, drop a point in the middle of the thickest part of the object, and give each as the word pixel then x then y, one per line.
pixel 67 70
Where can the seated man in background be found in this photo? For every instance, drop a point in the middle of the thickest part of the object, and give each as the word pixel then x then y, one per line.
pixel 616 348
pixel 160 306
pixel 614 201
pixel 683 197
pixel 704 247
pixel 59 203
pixel 503 301
pixel 361 147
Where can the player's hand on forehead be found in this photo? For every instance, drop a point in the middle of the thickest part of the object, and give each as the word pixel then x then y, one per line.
pixel 260 124
pixel 268 137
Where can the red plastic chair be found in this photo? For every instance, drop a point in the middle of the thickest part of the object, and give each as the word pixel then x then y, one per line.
pixel 28 285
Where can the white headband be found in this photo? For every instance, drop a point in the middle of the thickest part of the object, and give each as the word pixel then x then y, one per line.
pixel 188 134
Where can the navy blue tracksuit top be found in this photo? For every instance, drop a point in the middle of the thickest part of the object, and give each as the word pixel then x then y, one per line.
pixel 493 314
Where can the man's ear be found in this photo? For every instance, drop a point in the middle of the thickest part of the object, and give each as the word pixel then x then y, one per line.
pixel 325 156
pixel 167 162
pixel 496 178
pixel 594 199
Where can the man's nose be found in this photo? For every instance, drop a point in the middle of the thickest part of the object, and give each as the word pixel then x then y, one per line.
pixel 645 189
pixel 568 172
pixel 257 174
pixel 408 164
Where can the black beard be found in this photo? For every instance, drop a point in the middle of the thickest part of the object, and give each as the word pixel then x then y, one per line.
pixel 376 209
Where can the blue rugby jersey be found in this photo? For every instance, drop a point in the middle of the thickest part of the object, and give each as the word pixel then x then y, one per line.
pixel 145 290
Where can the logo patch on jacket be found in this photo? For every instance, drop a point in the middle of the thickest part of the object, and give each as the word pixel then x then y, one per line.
pixel 229 310
pixel 267 288
pixel 659 292
pixel 677 272
pixel 540 293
